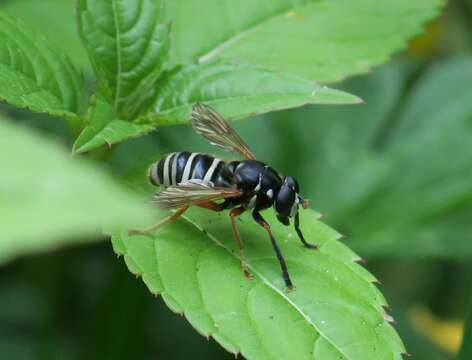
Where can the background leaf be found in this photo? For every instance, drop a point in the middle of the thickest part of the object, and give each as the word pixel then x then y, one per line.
pixel 430 146
pixel 61 29
pixel 320 40
pixel 106 129
pixel 48 200
pixel 237 91
pixel 35 76
pixel 391 174
pixel 127 41
pixel 194 264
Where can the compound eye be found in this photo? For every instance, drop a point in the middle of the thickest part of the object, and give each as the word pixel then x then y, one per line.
pixel 285 201
pixel 292 183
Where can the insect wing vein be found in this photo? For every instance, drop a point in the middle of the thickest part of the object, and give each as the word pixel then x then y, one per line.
pixel 208 123
pixel 192 193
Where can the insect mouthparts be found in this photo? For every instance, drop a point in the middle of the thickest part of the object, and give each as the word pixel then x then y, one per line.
pixel 305 203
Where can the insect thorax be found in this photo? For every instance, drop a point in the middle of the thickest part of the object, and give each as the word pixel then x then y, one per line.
pixel 259 183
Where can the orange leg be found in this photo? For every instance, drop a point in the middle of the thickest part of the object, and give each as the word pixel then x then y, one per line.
pixel 210 205
pixel 234 214
pixel 164 221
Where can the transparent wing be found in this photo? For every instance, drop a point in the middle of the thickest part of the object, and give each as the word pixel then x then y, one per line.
pixel 208 123
pixel 192 193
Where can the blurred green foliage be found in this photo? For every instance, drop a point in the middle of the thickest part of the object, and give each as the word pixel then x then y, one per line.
pixel 32 196
pixel 55 20
pixel 393 175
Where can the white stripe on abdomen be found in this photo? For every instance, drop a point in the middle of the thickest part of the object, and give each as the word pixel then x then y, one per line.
pixel 188 166
pixel 166 176
pixel 211 170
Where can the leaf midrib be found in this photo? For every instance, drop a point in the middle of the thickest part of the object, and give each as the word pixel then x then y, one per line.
pixel 166 111
pixel 267 283
pixel 223 98
pixel 118 53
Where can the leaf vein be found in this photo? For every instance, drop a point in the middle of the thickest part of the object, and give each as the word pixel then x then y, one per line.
pixel 118 52
pixel 268 284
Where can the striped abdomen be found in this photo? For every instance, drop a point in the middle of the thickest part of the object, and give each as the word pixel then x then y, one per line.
pixel 175 168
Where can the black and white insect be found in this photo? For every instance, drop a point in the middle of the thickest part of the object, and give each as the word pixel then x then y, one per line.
pixel 242 185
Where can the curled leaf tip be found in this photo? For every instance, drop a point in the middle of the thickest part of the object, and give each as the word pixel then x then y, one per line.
pixel 389 318
pixel 360 100
pixel 359 260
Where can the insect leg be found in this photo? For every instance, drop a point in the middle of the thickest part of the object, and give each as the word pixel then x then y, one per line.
pixel 211 205
pixel 300 235
pixel 260 220
pixel 162 222
pixel 234 213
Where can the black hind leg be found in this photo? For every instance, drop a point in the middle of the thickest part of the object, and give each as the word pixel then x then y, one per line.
pixel 260 220
pixel 300 235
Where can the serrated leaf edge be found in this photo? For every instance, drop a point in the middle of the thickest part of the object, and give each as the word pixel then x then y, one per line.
pixel 132 266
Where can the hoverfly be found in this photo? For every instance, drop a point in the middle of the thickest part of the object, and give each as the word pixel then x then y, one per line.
pixel 202 180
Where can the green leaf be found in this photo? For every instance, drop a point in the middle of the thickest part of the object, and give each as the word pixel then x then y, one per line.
pixel 127 42
pixel 35 76
pixel 48 199
pixel 324 40
pixel 431 147
pixel 236 91
pixel 106 129
pixel 112 133
pixel 344 170
pixel 335 312
pixel 393 174
pixel 61 29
